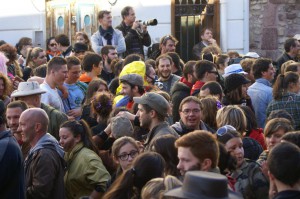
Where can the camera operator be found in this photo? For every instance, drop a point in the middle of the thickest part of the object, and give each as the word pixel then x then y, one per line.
pixel 135 32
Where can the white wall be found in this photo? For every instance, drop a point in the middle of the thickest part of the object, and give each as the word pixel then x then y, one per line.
pixel 23 18
pixel 235 25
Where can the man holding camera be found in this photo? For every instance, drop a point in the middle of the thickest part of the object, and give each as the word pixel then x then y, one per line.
pixel 135 32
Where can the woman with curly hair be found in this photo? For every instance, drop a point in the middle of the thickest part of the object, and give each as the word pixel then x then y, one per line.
pixel 96 85
pixel 13 67
pixel 102 106
pixel 5 89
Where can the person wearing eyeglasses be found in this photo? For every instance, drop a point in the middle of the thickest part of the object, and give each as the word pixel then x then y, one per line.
pixel 124 150
pixel 52 50
pixel 85 174
pixel 190 117
pixel 204 71
pixel 167 44
pixel 250 180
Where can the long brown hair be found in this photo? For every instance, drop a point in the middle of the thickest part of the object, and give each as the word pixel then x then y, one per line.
pixel 283 82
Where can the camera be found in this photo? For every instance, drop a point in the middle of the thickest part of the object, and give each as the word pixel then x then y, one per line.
pixel 151 22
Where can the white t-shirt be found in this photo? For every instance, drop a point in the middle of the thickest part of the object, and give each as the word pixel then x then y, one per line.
pixel 51 97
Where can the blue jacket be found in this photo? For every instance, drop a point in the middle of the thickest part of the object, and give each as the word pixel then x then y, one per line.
pixel 261 95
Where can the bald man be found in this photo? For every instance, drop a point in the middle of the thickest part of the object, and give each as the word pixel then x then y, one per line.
pixel 44 165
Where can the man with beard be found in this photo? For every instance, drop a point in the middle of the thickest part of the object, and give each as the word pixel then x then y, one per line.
pixel 182 88
pixel 108 53
pixel 167 44
pixel 13 112
pixel 190 117
pixel 164 66
pixel 152 111
pixel 132 86
pixel 197 150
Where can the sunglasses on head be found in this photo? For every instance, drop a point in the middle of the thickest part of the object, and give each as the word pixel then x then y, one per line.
pixel 224 129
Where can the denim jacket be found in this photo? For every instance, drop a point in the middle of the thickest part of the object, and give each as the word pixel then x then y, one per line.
pixel 261 95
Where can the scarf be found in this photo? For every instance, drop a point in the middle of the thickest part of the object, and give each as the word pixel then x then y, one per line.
pixel 107 34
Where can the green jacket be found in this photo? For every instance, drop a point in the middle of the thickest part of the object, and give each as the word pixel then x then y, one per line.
pixel 85 171
pixel 56 118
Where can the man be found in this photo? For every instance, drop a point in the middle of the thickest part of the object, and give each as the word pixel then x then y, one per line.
pixel 30 93
pixel 106 35
pixel 108 54
pixel 182 88
pixel 204 71
pixel 63 44
pixel 152 111
pixel 197 150
pixel 164 67
pixel 167 44
pixel 11 162
pixel 44 165
pixel 207 40
pixel 284 171
pixel 13 112
pixel 212 88
pixel 132 86
pixel 135 33
pixel 261 91
pixel 291 47
pixel 190 117
pixel 92 65
pixel 57 72
pixel 76 89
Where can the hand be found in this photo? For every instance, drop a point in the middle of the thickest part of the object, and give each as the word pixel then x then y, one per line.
pixel 126 114
pixel 107 130
pixel 136 25
pixel 212 41
pixel 144 28
pixel 75 112
pixel 265 169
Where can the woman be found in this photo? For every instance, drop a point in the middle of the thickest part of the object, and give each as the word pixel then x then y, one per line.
pixel 5 89
pixel 35 57
pixel 22 46
pixel 102 105
pixel 145 167
pixel 85 175
pixel 250 181
pixel 52 50
pixel 124 151
pixel 13 67
pixel 222 63
pixel 165 146
pixel 82 37
pixel 94 86
pixel 232 115
pixel 252 130
pixel 210 106
pixel 285 96
pixel 236 91
pixel 274 130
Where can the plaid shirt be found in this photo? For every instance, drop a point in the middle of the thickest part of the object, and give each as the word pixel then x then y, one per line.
pixel 289 102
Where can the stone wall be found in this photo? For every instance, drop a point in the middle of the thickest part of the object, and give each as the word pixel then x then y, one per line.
pixel 271 23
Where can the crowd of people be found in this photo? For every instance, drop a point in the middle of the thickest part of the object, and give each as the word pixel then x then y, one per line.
pixel 101 119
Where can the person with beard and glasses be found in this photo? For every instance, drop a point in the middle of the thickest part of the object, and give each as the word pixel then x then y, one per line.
pixel 132 86
pixel 135 33
pixel 190 117
pixel 107 35
pixel 108 53
pixel 197 150
pixel 152 112
pixel 182 88
pixel 164 67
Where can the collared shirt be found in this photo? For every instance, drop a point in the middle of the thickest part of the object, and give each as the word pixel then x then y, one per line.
pixel 289 102
pixel 261 95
